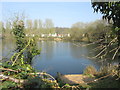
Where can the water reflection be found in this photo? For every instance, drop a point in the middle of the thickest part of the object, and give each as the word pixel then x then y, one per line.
pixel 63 57
pixel 8 47
pixel 47 47
pixel 79 51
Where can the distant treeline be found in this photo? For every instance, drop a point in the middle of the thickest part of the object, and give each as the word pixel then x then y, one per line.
pixel 93 31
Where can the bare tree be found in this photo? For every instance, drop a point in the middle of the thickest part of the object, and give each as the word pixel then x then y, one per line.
pixel 49 26
pixel 35 26
pixel 29 24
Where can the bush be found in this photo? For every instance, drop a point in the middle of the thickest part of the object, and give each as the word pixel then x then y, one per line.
pixel 90 70
pixel 109 69
pixel 104 70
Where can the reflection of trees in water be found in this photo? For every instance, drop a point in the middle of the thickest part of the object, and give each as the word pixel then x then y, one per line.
pixel 47 49
pixel 8 46
pixel 91 52
pixel 82 52
pixel 78 52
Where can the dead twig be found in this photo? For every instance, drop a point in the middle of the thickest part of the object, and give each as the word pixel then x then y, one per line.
pixel 12 79
pixel 115 53
pixel 113 49
pixel 100 52
pixel 8 69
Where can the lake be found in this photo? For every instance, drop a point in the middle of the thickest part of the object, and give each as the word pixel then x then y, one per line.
pixel 58 56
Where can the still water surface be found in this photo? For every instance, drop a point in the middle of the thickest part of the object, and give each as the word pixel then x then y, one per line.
pixel 63 57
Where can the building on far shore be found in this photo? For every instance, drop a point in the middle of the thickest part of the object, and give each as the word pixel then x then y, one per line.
pixel 59 33
pixel 55 35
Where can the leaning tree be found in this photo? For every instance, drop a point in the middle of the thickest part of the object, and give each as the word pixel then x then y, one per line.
pixel 111 12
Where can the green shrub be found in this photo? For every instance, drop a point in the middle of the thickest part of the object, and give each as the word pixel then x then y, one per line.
pixel 7 85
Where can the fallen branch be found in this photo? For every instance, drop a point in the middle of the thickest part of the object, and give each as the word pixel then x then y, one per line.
pixel 8 69
pixel 100 78
pixel 115 53
pixel 113 49
pixel 42 73
pixel 100 52
pixel 12 79
pixel 84 44
pixel 105 47
pixel 88 44
pixel 112 41
pixel 24 81
pixel 78 86
pixel 76 45
pixel 98 47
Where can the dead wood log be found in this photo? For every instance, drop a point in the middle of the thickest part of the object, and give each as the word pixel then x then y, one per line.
pixel 7 69
pixel 12 79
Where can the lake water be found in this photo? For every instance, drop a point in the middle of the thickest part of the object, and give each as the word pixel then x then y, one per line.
pixel 63 57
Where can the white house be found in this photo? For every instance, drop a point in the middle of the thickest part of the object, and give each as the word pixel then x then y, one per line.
pixel 68 35
pixel 33 35
pixel 26 35
pixel 54 35
pixel 42 35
